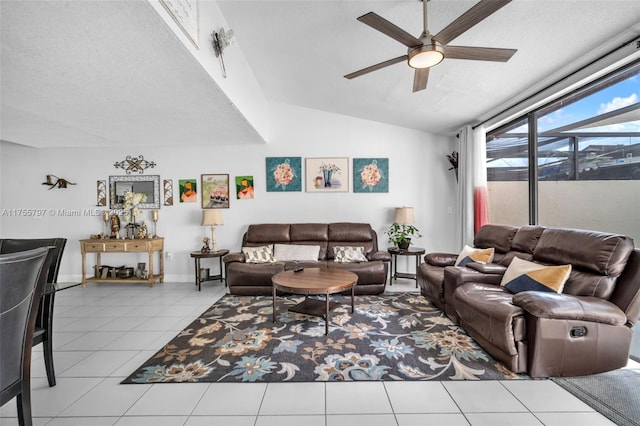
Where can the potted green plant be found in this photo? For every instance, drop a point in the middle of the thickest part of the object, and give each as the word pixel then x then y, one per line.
pixel 400 235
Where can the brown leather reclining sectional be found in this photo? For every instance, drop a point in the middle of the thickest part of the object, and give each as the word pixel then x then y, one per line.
pixel 255 278
pixel 584 330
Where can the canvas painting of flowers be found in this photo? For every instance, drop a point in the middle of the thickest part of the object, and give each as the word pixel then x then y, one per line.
pixel 370 175
pixel 327 174
pixel 284 174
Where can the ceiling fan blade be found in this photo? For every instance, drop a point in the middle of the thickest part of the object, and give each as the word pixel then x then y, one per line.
pixel 420 79
pixel 376 67
pixel 468 19
pixel 479 53
pixel 377 22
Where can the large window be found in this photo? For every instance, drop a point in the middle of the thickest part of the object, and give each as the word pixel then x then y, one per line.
pixel 585 152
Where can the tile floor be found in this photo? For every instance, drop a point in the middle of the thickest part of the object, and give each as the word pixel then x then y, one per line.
pixel 104 331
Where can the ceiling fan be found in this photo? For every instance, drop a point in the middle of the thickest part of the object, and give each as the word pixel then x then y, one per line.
pixel 429 50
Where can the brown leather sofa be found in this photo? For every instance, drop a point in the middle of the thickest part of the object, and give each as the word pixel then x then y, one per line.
pixel 255 278
pixel 584 330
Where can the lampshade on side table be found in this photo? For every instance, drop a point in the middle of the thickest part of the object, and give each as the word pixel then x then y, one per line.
pixel 213 218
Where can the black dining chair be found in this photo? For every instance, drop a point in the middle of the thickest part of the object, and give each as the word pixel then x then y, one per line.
pixel 44 321
pixel 23 276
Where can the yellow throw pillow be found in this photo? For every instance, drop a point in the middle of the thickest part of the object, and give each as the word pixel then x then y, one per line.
pixel 471 254
pixel 522 275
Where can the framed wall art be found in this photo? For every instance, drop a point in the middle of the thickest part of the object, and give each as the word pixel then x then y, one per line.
pixel 370 175
pixel 329 174
pixel 148 185
pixel 101 193
pixel 284 174
pixel 215 191
pixel 244 187
pixel 168 192
pixel 188 190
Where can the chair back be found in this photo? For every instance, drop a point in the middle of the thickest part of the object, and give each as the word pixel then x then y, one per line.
pixel 22 278
pixel 12 245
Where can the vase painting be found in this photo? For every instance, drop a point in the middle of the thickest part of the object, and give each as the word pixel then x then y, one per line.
pixel 327 174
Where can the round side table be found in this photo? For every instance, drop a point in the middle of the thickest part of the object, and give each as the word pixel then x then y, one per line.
pixel 197 255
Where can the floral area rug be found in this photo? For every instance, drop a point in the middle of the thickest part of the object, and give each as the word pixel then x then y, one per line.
pixel 389 337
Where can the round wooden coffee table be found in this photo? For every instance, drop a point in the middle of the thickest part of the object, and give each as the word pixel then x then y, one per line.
pixel 314 281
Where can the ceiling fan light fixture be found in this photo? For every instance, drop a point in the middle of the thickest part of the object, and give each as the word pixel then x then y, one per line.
pixel 426 56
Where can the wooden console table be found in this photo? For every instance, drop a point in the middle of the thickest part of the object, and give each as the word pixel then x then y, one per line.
pixel 145 245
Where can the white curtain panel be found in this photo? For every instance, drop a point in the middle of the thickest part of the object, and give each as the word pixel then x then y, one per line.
pixel 472 183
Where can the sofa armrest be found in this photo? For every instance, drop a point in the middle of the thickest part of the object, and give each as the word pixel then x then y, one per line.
pixel 568 307
pixel 441 259
pixel 379 255
pixel 233 257
pixel 487 268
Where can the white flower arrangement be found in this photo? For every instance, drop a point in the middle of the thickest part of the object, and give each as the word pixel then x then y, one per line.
pixel 131 205
pixel 333 168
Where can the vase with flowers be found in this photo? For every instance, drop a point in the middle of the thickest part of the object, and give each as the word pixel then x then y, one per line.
pixel 132 210
pixel 327 171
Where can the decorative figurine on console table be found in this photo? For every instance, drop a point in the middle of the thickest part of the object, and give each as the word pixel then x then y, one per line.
pixel 115 226
pixel 143 232
pixel 205 248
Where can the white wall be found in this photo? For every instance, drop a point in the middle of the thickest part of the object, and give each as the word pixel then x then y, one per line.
pixel 418 177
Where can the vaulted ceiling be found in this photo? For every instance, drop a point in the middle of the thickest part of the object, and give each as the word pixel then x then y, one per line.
pixel 76 73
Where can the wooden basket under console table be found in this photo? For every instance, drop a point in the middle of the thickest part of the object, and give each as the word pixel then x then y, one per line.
pixel 144 245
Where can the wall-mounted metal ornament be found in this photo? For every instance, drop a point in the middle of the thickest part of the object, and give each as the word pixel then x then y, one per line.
pixel 134 164
pixel 59 182
pixel 101 191
pixel 168 192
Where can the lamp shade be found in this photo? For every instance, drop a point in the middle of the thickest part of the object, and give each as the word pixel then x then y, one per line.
pixel 212 217
pixel 404 216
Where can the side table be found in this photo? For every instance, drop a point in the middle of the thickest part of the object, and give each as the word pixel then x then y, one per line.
pixel 411 251
pixel 197 255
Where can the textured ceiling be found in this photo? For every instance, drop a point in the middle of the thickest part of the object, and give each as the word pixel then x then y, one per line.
pixel 301 49
pixel 106 73
pixel 79 73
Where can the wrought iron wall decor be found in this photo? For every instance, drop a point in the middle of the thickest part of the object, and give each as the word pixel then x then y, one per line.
pixel 55 182
pixel 134 164
pixel 101 190
pixel 453 160
pixel 168 192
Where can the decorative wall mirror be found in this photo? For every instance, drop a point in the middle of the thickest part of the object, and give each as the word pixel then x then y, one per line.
pixel 149 185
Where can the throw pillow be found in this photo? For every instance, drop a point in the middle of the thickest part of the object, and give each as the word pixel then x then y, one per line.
pixel 349 254
pixel 472 254
pixel 293 252
pixel 261 254
pixel 522 275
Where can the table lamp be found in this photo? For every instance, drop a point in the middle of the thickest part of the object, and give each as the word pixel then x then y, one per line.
pixel 405 218
pixel 213 218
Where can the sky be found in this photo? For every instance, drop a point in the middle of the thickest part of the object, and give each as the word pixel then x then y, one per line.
pixel 619 95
